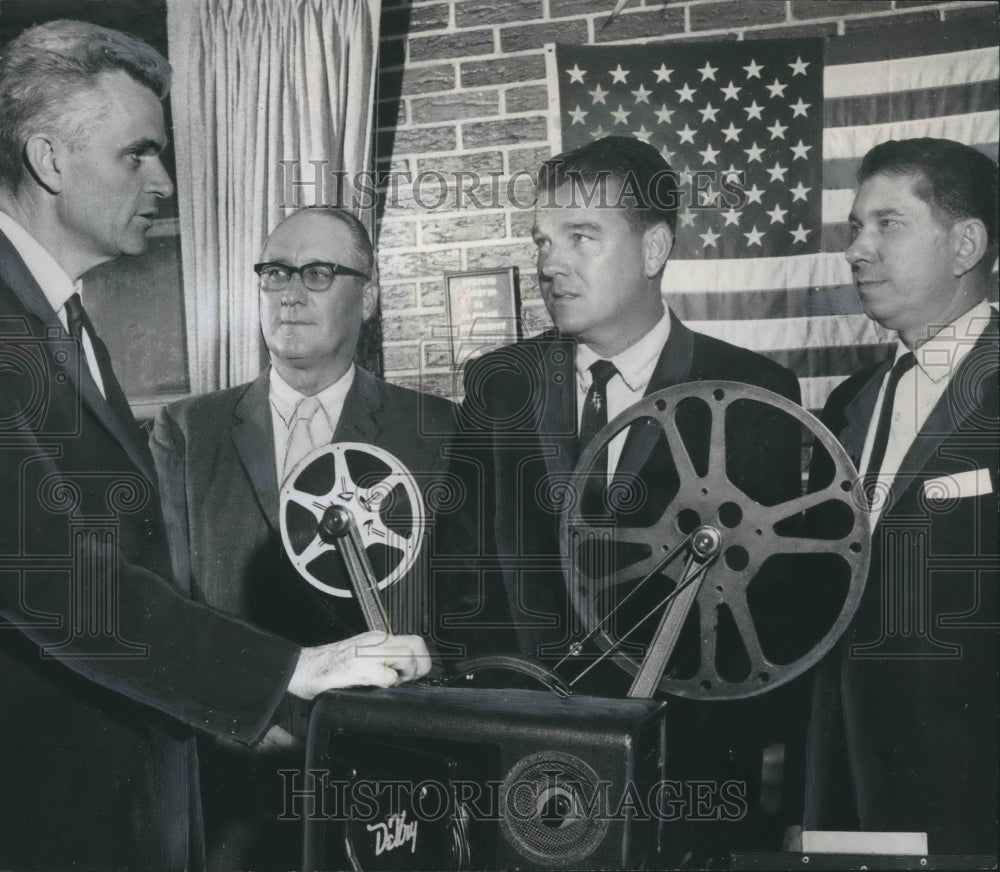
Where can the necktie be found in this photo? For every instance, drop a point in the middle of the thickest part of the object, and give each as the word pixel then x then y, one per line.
pixel 78 321
pixel 301 438
pixel 881 441
pixel 595 416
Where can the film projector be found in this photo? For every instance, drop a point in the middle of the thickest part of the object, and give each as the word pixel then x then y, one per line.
pixel 451 774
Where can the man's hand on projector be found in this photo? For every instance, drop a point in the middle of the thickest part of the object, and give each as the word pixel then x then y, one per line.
pixel 369 659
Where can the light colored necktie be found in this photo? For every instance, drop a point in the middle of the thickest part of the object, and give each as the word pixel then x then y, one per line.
pixel 300 439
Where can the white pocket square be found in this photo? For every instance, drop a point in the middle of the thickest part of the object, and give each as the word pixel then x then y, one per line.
pixel 970 483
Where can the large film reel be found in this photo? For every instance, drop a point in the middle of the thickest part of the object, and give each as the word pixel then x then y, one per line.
pixel 708 599
pixel 358 500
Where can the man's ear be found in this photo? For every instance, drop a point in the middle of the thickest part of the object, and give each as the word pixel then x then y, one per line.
pixel 657 242
pixel 369 299
pixel 971 242
pixel 43 155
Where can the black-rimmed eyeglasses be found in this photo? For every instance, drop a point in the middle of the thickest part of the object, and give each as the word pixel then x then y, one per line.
pixel 316 276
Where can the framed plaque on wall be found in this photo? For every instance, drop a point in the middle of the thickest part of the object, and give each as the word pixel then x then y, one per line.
pixel 484 310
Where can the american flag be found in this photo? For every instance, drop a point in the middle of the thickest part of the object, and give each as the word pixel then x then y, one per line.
pixel 784 122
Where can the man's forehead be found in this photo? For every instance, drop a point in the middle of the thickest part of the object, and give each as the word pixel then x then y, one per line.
pixel 558 216
pixel 890 191
pixel 324 235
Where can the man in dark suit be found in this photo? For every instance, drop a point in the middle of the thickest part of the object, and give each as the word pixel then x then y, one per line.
pixel 108 665
pixel 222 456
pixel 527 409
pixel 903 734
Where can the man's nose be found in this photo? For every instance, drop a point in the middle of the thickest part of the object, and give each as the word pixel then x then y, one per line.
pixel 295 291
pixel 860 250
pixel 159 182
pixel 551 261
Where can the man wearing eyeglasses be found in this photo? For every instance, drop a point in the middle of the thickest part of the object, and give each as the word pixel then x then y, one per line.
pixel 223 457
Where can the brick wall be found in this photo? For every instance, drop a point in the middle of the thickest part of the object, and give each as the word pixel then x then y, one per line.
pixel 462 89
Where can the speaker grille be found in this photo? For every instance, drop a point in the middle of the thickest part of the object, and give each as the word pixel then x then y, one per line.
pixel 554 808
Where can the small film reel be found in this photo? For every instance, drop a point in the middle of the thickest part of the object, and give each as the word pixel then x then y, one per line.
pixel 761 575
pixel 377 491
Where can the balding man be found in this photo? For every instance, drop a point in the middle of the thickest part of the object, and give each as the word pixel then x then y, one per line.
pixel 223 457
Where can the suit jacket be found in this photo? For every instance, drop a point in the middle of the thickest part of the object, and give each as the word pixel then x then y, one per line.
pixel 904 729
pixel 107 663
pixel 215 457
pixel 518 443
pixel 216 461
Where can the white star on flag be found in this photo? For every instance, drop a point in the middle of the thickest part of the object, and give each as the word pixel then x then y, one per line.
pixel 754 236
pixel 777 130
pixel 753 111
pixel 687 218
pixel 708 72
pixel 776 89
pixel 663 74
pixel 598 132
pixel 686 93
pixel 799 192
pixel 799 109
pixel 642 95
pixel 708 113
pixel 619 75
pixel 576 74
pixel 777 172
pixel 708 238
pixel 777 214
pixel 578 115
pixel 732 132
pixel 799 67
pixel 687 134
pixel 754 194
pixel 642 134
pixel 731 91
pixel 800 234
pixel 801 151
pixel 732 216
pixel 598 94
pixel 754 70
pixel 663 114
pixel 709 154
pixel 621 114
pixel 754 153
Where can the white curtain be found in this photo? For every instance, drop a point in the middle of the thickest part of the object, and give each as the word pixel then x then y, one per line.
pixel 262 89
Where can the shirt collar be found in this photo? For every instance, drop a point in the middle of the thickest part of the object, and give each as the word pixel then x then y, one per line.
pixel 636 363
pixel 940 355
pixel 284 398
pixel 52 278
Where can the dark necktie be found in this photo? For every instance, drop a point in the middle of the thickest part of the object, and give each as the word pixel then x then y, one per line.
pixel 881 441
pixel 78 321
pixel 595 416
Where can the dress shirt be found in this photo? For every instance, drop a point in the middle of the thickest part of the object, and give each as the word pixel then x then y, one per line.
pixel 920 389
pixel 284 399
pixel 635 367
pixel 52 279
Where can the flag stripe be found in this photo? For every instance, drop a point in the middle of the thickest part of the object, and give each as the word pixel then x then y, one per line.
pixel 902 105
pixel 846 142
pixel 728 276
pixel 780 333
pixel 780 303
pixel 830 361
pixel 907 74
pixel 908 41
pixel 843 172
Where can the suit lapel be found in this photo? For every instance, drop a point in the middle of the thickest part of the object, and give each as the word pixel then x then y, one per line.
pixel 673 367
pixel 557 416
pixel 121 425
pixel 955 407
pixel 858 415
pixel 361 418
pixel 253 438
